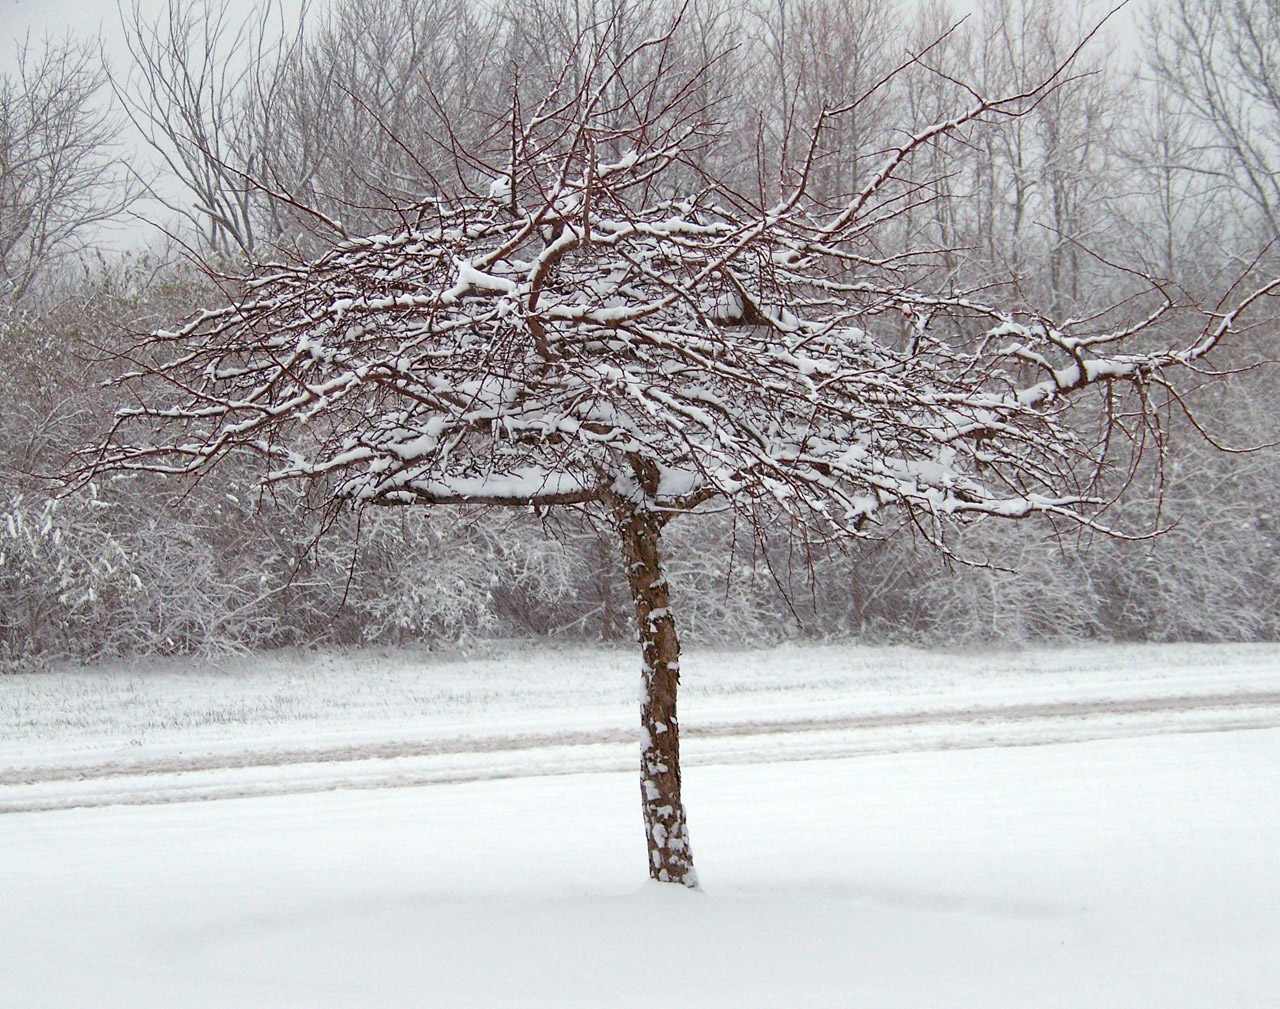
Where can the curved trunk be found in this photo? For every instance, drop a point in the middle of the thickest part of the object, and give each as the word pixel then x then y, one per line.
pixel 670 858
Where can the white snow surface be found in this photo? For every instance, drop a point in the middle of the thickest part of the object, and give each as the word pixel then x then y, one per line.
pixel 873 827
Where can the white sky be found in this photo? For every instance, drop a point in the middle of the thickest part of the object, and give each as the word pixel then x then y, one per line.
pixel 17 17
pixel 83 18
pixel 38 18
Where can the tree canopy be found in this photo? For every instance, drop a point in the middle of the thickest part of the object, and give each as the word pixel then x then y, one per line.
pixel 600 319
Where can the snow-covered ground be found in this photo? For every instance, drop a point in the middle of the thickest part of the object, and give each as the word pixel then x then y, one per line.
pixel 871 826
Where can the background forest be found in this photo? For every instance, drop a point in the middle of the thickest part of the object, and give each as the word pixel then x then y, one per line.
pixel 1158 152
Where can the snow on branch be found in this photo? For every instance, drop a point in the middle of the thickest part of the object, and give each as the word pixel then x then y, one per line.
pixel 601 321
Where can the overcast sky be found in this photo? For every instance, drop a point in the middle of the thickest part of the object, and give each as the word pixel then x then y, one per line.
pixel 17 17
pixel 39 18
pixel 85 18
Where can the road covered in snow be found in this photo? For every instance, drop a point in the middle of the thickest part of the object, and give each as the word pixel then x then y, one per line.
pixel 879 827
pixel 236 730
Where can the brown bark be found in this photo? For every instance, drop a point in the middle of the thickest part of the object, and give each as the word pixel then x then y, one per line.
pixel 667 832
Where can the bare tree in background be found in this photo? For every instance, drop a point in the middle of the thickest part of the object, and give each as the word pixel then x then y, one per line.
pixel 806 57
pixel 1222 59
pixel 358 119
pixel 194 73
pixel 260 120
pixel 60 175
pixel 1181 207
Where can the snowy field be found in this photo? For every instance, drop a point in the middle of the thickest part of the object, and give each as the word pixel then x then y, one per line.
pixel 873 827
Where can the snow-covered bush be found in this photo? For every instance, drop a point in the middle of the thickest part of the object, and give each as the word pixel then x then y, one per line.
pixel 62 576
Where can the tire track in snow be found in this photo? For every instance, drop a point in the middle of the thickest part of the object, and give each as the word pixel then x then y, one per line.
pixel 478 758
pixel 275 757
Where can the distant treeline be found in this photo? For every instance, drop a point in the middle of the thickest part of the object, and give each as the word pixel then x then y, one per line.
pixel 1159 154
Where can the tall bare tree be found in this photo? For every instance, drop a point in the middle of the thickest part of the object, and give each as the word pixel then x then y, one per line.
pixel 1222 59
pixel 61 176
pixel 359 123
pixel 811 54
pixel 193 76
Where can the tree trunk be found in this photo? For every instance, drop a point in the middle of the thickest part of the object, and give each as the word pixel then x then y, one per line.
pixel 667 832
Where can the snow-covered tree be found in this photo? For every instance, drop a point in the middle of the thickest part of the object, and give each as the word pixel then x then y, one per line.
pixel 621 332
